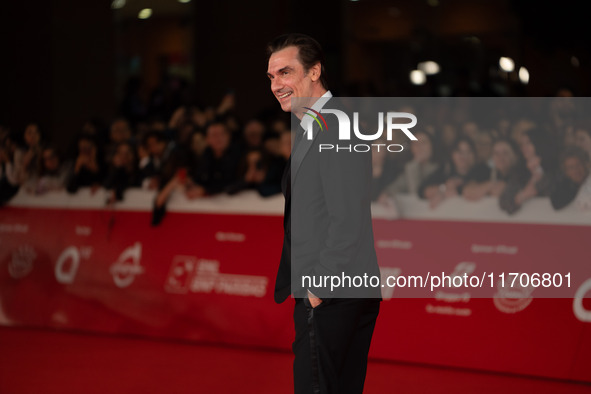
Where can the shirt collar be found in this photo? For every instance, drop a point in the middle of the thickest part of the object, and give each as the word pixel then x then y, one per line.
pixel 306 120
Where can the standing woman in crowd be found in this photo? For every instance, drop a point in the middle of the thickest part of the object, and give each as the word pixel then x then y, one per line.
pixel 506 159
pixel 28 160
pixel 539 178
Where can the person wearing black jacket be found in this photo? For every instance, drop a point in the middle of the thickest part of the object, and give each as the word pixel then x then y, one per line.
pixel 218 167
pixel 574 165
pixel 122 173
pixel 88 167
pixel 327 231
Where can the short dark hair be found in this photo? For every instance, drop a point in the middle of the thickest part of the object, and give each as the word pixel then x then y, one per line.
pixel 309 51
pixel 217 122
pixel 159 135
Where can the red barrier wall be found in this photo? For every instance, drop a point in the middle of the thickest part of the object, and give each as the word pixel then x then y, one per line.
pixel 210 276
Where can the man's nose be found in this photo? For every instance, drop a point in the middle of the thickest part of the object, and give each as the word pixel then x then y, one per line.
pixel 275 85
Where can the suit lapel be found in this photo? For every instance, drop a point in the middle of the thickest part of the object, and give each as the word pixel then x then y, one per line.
pixel 301 150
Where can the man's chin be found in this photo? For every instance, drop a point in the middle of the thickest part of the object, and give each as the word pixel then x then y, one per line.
pixel 286 105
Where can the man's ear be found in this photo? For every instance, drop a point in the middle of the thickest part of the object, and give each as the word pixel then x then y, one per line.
pixel 315 71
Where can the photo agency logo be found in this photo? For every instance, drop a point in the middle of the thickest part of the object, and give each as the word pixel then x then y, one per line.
pixel 394 121
pixel 309 131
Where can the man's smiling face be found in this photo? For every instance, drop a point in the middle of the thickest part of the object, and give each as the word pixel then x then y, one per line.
pixel 288 77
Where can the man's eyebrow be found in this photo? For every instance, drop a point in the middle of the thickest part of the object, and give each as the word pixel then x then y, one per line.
pixel 281 70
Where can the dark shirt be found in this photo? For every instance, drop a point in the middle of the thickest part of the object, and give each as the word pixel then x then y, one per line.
pixel 163 168
pixel 563 193
pixel 216 174
pixel 85 178
pixel 119 179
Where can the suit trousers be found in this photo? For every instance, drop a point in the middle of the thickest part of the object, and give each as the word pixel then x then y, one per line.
pixel 331 345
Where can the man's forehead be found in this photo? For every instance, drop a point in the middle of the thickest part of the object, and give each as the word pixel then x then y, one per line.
pixel 286 57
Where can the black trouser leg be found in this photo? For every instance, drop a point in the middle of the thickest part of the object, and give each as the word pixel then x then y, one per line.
pixel 331 345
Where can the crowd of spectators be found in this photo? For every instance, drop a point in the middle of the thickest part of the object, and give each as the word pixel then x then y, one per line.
pixel 197 151
pixel 533 148
pixel 525 152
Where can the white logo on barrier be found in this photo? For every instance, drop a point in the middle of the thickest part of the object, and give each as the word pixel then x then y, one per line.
pixel 230 237
pixel 84 231
pixel 512 299
pixel 581 313
pixel 14 228
pixel 181 272
pixel 448 310
pixel 500 249
pixel 63 272
pixel 127 266
pixel 66 273
pixel 187 273
pixel 22 262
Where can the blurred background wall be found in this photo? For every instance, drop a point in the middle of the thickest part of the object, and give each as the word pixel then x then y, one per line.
pixel 66 62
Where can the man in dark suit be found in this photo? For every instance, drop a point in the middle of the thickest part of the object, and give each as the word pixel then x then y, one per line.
pixel 328 229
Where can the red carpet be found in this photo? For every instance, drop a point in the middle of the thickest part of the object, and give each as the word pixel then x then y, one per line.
pixel 42 361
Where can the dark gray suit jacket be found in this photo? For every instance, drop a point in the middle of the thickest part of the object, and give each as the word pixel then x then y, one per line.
pixel 327 223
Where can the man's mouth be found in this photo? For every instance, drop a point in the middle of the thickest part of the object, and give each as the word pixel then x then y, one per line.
pixel 284 95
